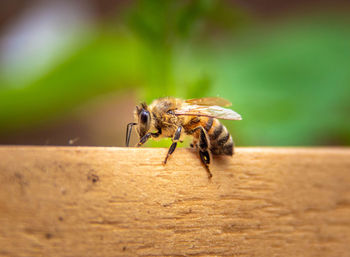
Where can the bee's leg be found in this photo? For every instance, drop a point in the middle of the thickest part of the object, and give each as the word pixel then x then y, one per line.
pixel 174 144
pixel 146 137
pixel 205 158
pixel 203 146
pixel 203 150
pixel 128 132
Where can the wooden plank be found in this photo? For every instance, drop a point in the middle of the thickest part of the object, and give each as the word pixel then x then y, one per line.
pixel 89 201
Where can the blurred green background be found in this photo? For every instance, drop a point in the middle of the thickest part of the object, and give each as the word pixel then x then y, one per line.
pixel 71 72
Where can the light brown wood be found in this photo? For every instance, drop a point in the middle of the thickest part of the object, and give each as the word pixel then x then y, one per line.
pixel 82 201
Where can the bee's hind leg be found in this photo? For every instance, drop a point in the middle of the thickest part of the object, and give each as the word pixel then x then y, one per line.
pixel 174 144
pixel 203 147
pixel 203 150
pixel 205 158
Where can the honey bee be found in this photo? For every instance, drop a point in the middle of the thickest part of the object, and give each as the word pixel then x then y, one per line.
pixel 174 118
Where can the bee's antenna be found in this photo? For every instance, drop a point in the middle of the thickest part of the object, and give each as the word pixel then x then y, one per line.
pixel 144 105
pixel 128 132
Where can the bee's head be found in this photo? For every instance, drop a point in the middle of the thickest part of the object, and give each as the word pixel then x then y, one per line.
pixel 144 119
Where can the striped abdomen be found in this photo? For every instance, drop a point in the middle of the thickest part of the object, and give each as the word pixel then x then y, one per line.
pixel 220 139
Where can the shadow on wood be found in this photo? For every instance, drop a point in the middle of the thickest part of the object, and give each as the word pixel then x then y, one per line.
pixel 82 201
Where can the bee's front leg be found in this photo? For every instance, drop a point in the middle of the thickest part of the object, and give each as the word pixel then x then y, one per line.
pixel 176 138
pixel 128 132
pixel 146 137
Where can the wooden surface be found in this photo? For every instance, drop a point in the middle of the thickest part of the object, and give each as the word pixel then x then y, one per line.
pixel 81 201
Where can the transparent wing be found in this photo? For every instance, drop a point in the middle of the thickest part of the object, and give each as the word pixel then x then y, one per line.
pixel 209 101
pixel 209 111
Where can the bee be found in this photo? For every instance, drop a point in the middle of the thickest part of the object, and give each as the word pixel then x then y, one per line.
pixel 174 118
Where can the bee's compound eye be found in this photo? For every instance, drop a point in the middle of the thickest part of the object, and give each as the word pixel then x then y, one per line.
pixel 144 116
pixel 170 112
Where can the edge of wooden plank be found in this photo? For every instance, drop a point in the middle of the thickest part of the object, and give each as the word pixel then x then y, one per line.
pixel 103 201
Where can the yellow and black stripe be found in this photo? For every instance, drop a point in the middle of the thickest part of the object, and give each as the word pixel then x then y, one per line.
pixel 220 139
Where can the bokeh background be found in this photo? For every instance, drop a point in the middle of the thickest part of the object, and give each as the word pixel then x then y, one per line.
pixel 71 72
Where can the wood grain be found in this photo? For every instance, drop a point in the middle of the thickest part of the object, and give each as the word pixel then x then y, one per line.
pixel 89 201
